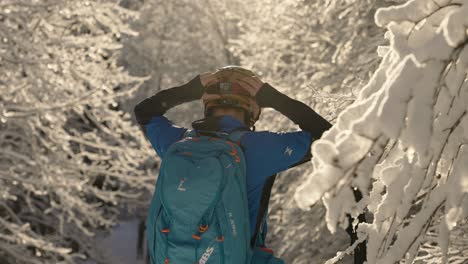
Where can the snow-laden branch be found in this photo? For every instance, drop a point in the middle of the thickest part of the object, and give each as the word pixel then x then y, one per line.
pixel 68 155
pixel 404 142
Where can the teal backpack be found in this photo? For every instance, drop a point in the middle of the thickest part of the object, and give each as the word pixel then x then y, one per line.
pixel 199 211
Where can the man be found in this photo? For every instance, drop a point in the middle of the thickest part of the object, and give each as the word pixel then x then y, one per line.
pixel 233 98
pixel 236 106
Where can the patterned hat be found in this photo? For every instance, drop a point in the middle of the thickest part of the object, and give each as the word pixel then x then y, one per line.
pixel 228 92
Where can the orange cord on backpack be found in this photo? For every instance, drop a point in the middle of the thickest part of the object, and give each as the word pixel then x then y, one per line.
pixel 269 250
pixel 234 152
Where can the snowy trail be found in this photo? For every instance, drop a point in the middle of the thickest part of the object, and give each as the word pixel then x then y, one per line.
pixel 120 245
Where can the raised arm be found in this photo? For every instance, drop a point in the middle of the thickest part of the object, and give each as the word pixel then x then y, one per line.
pixel 296 111
pixel 160 131
pixel 158 104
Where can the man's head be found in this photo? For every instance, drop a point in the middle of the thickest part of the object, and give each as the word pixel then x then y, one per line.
pixel 227 96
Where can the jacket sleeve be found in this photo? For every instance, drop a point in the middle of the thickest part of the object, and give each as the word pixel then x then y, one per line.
pixel 158 104
pixel 301 114
pixel 160 131
pixel 268 153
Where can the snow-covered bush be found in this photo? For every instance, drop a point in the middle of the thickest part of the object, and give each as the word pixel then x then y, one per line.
pixel 404 142
pixel 68 155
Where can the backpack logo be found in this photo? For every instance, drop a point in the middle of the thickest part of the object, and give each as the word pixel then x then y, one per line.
pixel 233 224
pixel 206 255
pixel 180 188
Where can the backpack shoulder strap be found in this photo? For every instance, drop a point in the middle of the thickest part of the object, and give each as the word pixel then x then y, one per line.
pixel 258 238
pixel 262 212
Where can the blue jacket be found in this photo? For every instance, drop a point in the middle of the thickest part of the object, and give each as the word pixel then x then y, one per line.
pixel 266 153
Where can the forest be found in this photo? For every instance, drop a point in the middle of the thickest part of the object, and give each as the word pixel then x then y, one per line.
pixel 390 75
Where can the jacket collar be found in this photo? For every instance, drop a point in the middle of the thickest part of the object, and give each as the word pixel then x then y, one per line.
pixel 220 123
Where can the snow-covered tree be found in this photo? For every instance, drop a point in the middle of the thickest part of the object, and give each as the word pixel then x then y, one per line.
pixel 68 155
pixel 404 142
